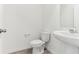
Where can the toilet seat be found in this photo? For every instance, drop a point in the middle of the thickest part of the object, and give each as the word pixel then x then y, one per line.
pixel 36 43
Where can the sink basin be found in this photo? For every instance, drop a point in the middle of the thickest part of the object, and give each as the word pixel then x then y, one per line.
pixel 67 37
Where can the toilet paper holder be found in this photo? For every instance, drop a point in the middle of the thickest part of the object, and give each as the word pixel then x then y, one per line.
pixel 2 30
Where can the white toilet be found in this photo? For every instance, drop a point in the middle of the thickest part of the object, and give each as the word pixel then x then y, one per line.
pixel 39 44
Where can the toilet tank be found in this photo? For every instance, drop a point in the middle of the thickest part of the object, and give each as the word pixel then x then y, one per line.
pixel 45 36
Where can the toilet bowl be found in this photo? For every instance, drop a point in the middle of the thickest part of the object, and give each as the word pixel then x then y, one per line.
pixel 39 44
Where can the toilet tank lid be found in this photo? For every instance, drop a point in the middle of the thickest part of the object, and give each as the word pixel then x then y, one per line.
pixel 45 32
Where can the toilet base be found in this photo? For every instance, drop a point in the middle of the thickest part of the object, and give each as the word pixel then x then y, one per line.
pixel 38 50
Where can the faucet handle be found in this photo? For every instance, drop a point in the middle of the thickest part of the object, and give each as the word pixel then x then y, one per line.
pixel 73 30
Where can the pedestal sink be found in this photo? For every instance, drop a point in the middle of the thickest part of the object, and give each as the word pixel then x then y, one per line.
pixel 70 40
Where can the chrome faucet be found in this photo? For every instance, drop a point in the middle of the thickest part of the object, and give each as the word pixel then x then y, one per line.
pixel 73 30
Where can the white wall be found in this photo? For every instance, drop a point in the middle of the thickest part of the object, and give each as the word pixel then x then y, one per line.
pixel 1 15
pixel 20 20
pixel 51 17
pixel 66 15
pixel 76 16
pixel 1 18
pixel 57 17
